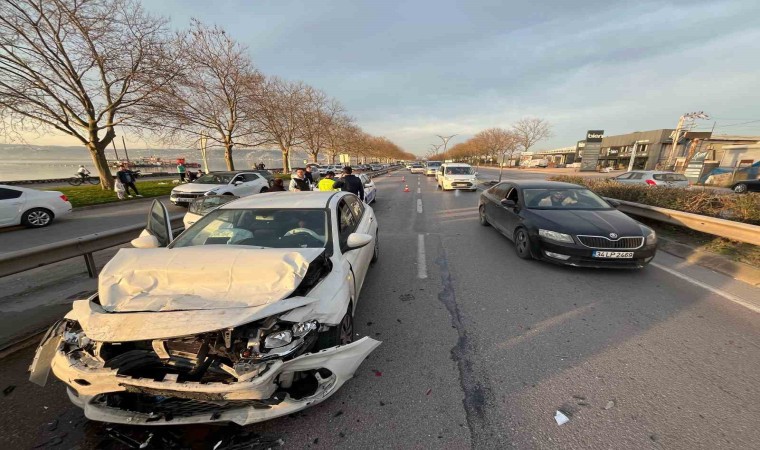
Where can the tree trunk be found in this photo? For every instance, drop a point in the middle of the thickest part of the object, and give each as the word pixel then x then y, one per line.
pixel 314 157
pixel 285 159
pixel 228 156
pixel 101 165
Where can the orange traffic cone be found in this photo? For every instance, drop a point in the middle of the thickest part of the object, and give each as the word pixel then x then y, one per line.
pixel 406 188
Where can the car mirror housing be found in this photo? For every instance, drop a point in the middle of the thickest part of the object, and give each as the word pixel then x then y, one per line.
pixel 237 183
pixel 358 240
pixel 508 203
pixel 146 241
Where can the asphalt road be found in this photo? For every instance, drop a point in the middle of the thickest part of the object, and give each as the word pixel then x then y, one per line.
pixel 480 349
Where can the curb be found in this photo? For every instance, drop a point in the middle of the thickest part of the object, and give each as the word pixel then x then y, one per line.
pixel 120 202
pixel 737 270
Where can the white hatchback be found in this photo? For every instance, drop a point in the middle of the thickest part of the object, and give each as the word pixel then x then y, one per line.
pixel 30 207
pixel 238 183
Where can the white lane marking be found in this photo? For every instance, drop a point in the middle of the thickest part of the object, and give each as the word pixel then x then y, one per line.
pixel 418 190
pixel 724 294
pixel 421 261
pixel 419 205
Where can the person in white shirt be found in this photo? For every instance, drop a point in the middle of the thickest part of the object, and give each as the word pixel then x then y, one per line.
pixel 83 172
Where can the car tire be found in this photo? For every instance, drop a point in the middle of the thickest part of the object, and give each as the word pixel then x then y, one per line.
pixel 740 188
pixel 341 334
pixel 37 218
pixel 482 216
pixel 522 244
pixel 263 190
pixel 228 193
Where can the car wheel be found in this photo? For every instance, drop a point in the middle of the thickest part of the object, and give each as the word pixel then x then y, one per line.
pixel 522 244
pixel 228 193
pixel 740 188
pixel 482 215
pixel 376 253
pixel 264 189
pixel 341 334
pixel 37 218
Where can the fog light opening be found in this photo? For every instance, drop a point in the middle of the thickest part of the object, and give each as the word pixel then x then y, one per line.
pixel 557 256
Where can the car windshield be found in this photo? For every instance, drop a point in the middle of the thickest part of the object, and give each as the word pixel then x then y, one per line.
pixel 433 164
pixel 215 178
pixel 264 228
pixel 563 199
pixel 459 171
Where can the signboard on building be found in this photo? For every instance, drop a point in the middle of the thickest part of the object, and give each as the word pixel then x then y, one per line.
pixel 591 150
pixel 694 168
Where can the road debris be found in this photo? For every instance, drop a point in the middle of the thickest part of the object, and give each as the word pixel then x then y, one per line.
pixel 8 390
pixel 428 392
pixel 609 404
pixel 561 418
pixel 377 373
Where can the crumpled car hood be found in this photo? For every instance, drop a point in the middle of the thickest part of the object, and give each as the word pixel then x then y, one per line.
pixel 201 277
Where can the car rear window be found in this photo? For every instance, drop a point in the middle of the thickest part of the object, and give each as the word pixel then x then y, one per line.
pixel 669 177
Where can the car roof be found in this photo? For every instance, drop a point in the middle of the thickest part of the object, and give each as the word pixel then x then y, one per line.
pixel 283 200
pixel 457 164
pixel 542 184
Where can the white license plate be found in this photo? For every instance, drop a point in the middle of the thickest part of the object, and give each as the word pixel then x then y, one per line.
pixel 616 255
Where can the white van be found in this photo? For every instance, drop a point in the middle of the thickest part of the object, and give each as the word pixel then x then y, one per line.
pixel 456 176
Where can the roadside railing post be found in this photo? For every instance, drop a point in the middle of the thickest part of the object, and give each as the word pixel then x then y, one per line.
pixel 92 269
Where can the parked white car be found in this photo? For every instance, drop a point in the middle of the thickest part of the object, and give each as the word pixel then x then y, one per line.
pixel 244 317
pixel 456 176
pixel 203 205
pixel 30 207
pixel 431 167
pixel 238 183
pixel 653 178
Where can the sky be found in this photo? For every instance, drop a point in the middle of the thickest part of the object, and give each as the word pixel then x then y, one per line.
pixel 410 70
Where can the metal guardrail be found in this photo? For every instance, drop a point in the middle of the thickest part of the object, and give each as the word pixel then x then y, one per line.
pixel 32 258
pixel 737 231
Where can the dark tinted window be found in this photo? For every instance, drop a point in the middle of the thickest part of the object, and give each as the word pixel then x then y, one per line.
pixel 7 194
pixel 157 223
pixel 346 221
pixel 513 195
pixel 249 177
pixel 500 190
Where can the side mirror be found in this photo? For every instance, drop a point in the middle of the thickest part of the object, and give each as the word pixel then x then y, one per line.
pixel 237 183
pixel 614 203
pixel 145 241
pixel 476 174
pixel 508 203
pixel 358 240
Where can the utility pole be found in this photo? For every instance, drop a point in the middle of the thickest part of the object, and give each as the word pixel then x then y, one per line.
pixel 445 140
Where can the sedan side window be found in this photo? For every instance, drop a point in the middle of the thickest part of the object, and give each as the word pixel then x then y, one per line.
pixel 250 177
pixel 637 176
pixel 499 191
pixel 9 194
pixel 347 222
pixel 512 195
pixel 625 176
pixel 356 207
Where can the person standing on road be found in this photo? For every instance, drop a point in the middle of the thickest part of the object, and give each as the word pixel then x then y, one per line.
pixel 351 183
pixel 328 182
pixel 309 175
pixel 181 171
pixel 127 178
pixel 277 185
pixel 298 182
pixel 83 172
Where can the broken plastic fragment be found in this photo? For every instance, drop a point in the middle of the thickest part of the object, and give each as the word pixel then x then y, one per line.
pixel 609 404
pixel 561 418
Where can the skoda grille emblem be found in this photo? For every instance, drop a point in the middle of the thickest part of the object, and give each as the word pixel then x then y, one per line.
pixel 613 236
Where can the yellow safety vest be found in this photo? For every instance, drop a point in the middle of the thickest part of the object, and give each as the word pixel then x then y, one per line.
pixel 326 184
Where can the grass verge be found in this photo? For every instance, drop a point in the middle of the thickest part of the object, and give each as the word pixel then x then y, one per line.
pixel 94 195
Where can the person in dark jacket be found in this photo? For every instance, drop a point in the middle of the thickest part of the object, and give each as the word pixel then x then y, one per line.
pixel 127 178
pixel 277 185
pixel 350 183
pixel 298 182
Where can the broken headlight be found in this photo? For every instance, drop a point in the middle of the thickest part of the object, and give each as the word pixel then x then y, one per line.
pixel 278 339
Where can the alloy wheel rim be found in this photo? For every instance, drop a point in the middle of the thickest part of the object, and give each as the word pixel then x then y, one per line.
pixel 522 243
pixel 482 214
pixel 740 188
pixel 39 218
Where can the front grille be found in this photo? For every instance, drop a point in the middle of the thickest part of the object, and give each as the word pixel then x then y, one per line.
pixel 604 243
pixel 176 407
pixel 460 183
pixel 188 195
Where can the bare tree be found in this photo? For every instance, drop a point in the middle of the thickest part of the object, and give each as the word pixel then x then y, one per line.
pixel 319 116
pixel 213 94
pixel 278 111
pixel 341 136
pixel 530 130
pixel 80 67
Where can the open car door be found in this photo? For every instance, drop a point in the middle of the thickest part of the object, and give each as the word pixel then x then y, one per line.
pixel 159 224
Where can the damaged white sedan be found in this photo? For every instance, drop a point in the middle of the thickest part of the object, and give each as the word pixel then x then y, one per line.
pixel 244 317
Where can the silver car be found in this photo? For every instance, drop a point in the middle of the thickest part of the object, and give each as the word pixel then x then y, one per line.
pixel 653 178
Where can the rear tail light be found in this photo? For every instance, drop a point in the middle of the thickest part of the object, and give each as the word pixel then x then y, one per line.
pixel 651 182
pixel 64 198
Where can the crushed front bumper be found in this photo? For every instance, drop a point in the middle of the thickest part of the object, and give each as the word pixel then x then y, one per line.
pixel 244 402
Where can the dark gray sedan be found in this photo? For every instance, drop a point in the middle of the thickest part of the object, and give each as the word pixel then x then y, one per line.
pixel 566 224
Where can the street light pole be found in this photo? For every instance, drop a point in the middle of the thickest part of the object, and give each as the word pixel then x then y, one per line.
pixel 445 140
